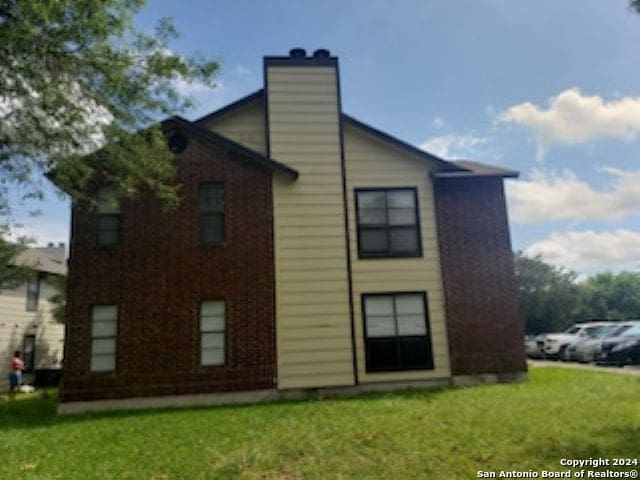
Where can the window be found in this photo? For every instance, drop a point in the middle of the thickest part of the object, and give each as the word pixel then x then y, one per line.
pixel 212 326
pixel 396 332
pixel 29 352
pixel 108 218
pixel 211 205
pixel 33 293
pixel 104 326
pixel 388 223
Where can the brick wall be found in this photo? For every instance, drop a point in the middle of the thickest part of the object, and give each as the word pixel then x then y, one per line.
pixel 158 276
pixel 483 322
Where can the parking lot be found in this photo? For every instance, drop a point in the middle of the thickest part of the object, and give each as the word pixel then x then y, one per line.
pixel 629 369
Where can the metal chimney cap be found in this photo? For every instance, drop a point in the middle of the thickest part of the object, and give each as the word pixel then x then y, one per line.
pixel 321 53
pixel 297 53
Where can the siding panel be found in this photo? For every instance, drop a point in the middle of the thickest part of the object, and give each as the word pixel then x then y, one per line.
pixel 371 163
pixel 312 302
pixel 244 125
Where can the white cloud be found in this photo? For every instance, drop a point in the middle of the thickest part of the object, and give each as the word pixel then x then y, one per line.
pixel 573 118
pixel 453 145
pixel 588 252
pixel 549 196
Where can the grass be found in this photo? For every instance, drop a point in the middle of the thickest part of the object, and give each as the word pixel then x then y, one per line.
pixel 450 433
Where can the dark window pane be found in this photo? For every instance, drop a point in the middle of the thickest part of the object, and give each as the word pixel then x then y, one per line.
pixel 371 199
pixel 372 216
pixel 401 199
pixel 108 222
pixel 387 222
pixel 108 237
pixel 382 353
pixel 404 240
pixel 33 294
pixel 107 229
pixel 415 352
pixel 373 241
pixel 211 197
pixel 212 228
pixel 402 216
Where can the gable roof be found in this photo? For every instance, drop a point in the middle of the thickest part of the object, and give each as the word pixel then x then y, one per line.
pixel 476 169
pixel 193 129
pixel 257 95
pixel 445 168
pixel 40 261
pixel 441 163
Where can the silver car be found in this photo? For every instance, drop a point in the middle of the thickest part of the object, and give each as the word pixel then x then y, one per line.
pixel 586 351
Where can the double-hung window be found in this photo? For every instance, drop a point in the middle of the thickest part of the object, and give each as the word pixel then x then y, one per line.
pixel 388 223
pixel 211 207
pixel 108 218
pixel 212 329
pixel 33 293
pixel 104 327
pixel 396 332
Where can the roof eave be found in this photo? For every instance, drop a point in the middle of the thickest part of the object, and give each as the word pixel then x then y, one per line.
pixel 210 136
pixel 441 164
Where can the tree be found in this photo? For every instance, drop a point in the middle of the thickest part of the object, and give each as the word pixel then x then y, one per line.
pixel 11 274
pixel 610 296
pixel 76 77
pixel 635 5
pixel 59 298
pixel 548 295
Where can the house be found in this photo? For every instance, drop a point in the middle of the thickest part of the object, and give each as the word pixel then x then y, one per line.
pixel 26 323
pixel 310 253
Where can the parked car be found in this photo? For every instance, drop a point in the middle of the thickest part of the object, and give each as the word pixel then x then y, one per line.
pixel 621 350
pixel 570 353
pixel 555 344
pixel 587 350
pixel 534 346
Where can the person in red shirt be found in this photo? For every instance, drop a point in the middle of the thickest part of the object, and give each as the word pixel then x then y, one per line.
pixel 15 377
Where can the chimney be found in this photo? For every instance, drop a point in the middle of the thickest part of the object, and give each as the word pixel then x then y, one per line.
pixel 303 115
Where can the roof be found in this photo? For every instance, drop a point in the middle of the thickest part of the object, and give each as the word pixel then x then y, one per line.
pixel 258 95
pixel 446 168
pixel 476 169
pixel 441 163
pixel 192 129
pixel 40 261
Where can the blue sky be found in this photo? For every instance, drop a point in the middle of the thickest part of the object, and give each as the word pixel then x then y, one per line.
pixel 547 88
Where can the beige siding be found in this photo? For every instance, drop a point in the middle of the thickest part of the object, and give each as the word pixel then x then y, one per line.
pixel 372 163
pixel 16 322
pixel 244 125
pixel 312 302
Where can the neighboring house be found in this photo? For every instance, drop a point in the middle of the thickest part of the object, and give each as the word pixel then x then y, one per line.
pixel 26 323
pixel 309 251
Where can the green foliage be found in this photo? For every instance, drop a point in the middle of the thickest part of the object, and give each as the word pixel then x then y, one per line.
pixel 76 76
pixel 551 298
pixel 548 295
pixel 59 298
pixel 611 296
pixel 12 275
pixel 443 434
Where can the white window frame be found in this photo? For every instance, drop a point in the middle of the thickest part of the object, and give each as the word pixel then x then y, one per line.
pixel 213 332
pixel 103 314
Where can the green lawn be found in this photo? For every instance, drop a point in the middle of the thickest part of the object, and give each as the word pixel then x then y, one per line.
pixel 440 434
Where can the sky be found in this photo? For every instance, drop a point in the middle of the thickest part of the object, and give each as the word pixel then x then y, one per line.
pixel 548 88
